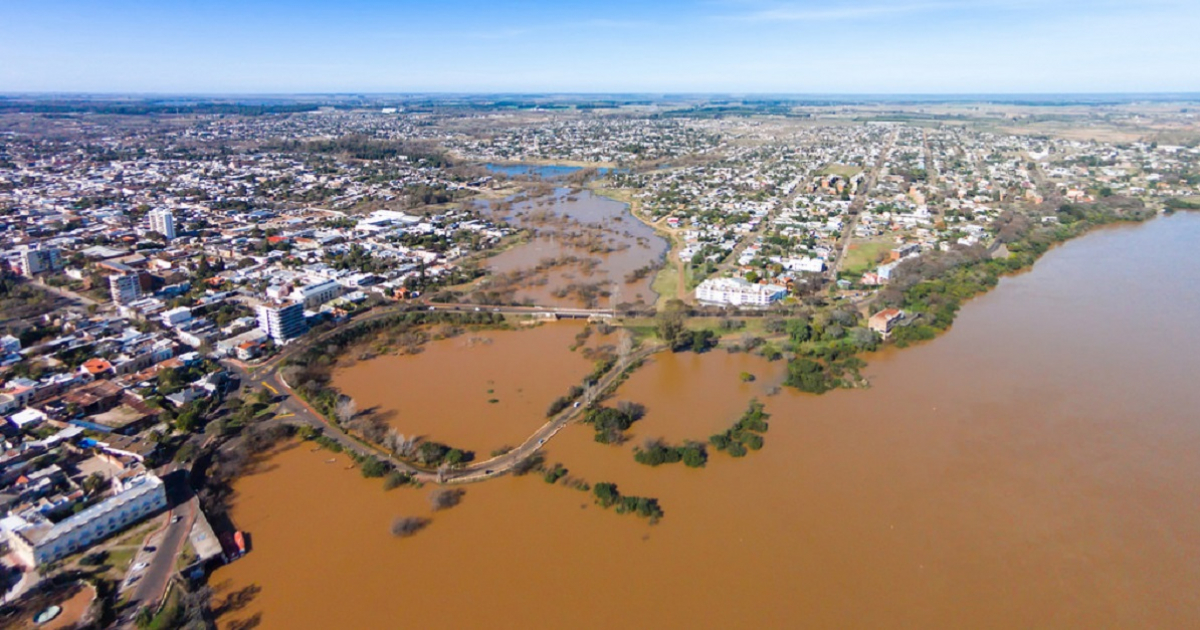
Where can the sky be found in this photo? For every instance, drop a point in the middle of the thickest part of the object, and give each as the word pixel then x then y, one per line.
pixel 647 46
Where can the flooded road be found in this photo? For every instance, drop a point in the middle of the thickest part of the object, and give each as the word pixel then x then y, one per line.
pixel 586 251
pixel 1035 467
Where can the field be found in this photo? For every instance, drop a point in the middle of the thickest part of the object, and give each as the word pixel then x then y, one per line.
pixel 846 171
pixel 863 254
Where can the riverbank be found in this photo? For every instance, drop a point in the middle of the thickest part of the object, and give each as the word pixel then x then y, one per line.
pixel 672 280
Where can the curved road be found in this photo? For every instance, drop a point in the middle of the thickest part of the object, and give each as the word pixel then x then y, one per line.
pixel 295 410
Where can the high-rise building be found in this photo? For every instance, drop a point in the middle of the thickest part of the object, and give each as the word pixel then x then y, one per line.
pixel 283 322
pixel 36 259
pixel 163 222
pixel 124 288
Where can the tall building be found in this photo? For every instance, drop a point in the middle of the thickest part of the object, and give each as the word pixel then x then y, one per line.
pixel 163 222
pixel 124 288
pixel 283 322
pixel 35 260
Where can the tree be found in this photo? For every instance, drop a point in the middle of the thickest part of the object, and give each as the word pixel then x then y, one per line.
pixel 403 527
pixel 346 409
pixel 670 323
pixel 445 498
pixel 373 467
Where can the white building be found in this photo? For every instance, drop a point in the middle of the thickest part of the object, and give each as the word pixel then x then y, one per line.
pixel 176 316
pixel 282 322
pixel 738 292
pixel 163 222
pixel 37 541
pixel 805 264
pixel 317 293
pixel 35 260
pixel 125 288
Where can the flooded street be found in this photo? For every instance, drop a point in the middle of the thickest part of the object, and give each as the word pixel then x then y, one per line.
pixel 1034 467
pixel 586 251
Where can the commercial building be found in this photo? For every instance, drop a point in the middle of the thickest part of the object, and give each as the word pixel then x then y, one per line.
pixel 37 541
pixel 125 288
pixel 163 222
pixel 35 260
pixel 738 292
pixel 282 322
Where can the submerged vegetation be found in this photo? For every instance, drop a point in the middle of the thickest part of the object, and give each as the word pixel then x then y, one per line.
pixel 655 453
pixel 608 496
pixel 745 433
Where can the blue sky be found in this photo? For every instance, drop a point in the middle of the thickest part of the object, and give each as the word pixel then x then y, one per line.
pixel 739 46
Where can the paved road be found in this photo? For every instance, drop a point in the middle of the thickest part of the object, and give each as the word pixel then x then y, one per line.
pixel 151 582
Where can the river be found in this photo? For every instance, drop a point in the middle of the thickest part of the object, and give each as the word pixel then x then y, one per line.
pixel 1034 467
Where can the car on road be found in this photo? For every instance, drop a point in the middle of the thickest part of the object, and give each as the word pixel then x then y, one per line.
pixel 488 472
pixel 133 579
pixel 149 548
pixel 139 566
pixel 176 518
pixel 477 309
pixel 542 441
pixel 433 308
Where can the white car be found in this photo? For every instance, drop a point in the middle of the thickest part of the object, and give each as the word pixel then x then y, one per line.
pixel 139 566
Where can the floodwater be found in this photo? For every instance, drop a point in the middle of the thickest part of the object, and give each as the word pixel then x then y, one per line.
pixel 477 391
pixel 589 247
pixel 1035 467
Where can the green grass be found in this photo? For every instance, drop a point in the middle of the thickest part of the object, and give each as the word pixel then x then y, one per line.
pixel 120 558
pixel 845 170
pixel 863 254
pixel 666 283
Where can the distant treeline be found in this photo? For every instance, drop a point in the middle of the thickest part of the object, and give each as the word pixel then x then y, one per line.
pixel 148 108
pixel 361 147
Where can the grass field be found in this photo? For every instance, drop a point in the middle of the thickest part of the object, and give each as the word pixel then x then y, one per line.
pixel 863 254
pixel 845 170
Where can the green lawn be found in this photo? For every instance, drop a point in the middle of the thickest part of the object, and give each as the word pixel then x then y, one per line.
pixel 863 254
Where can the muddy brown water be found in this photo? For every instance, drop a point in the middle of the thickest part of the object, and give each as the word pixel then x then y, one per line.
pixel 477 391
pixel 1035 467
pixel 635 243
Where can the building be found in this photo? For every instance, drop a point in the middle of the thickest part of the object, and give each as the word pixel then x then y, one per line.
pixel 176 316
pixel 36 260
pixel 282 322
pixel 884 321
pixel 163 222
pixel 317 293
pixel 37 541
pixel 738 292
pixel 125 288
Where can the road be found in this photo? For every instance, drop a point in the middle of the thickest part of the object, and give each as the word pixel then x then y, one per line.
pixel 167 542
pixel 730 261
pixel 856 207
pixel 294 410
